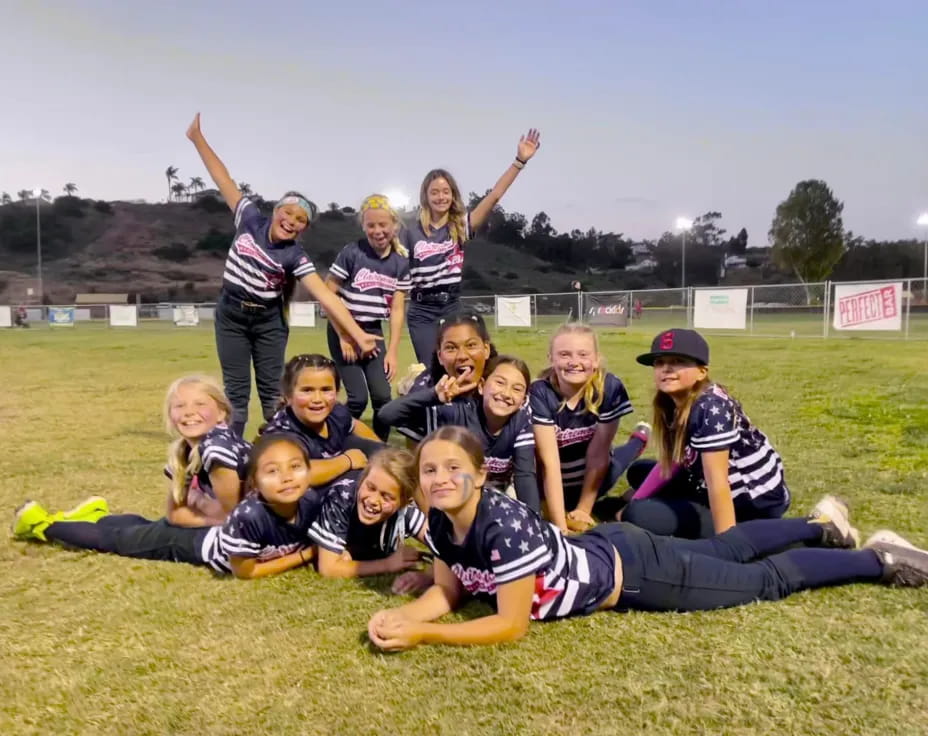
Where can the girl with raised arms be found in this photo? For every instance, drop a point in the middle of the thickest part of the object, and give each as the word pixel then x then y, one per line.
pixel 371 276
pixel 491 546
pixel 436 239
pixel 576 406
pixel 309 409
pixel 715 467
pixel 263 261
pixel 205 470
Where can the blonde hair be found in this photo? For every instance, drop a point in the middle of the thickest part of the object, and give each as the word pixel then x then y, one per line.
pixel 381 202
pixel 457 215
pixel 184 462
pixel 670 423
pixel 399 464
pixel 595 386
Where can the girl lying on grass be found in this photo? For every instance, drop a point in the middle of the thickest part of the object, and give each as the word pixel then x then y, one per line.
pixel 715 467
pixel 364 521
pixel 309 408
pixel 489 545
pixel 205 469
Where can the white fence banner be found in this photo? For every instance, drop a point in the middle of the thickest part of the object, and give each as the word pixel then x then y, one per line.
pixel 6 317
pixel 61 316
pixel 124 315
pixel 513 311
pixel 302 314
pixel 868 306
pixel 186 315
pixel 720 309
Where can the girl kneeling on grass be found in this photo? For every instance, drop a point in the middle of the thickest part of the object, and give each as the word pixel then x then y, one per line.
pixel 576 406
pixel 309 409
pixel 365 520
pixel 497 415
pixel 205 469
pixel 715 467
pixel 489 545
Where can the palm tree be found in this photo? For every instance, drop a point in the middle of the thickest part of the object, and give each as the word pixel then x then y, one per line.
pixel 46 195
pixel 196 184
pixel 244 188
pixel 69 189
pixel 179 190
pixel 23 194
pixel 5 198
pixel 171 173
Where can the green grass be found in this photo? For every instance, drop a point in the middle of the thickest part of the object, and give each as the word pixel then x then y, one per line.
pixel 96 644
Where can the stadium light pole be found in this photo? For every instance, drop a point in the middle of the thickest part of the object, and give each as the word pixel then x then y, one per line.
pixel 37 193
pixel 683 225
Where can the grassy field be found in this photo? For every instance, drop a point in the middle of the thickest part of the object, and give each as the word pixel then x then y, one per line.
pixel 97 644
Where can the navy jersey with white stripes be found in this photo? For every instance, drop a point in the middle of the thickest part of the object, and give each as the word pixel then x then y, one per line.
pixel 338 527
pixel 253 530
pixel 413 426
pixel 575 428
pixel 340 424
pixel 755 469
pixel 509 455
pixel 435 261
pixel 368 282
pixel 508 541
pixel 219 448
pixel 257 269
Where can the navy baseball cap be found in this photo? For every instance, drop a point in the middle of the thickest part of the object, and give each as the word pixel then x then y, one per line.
pixel 685 343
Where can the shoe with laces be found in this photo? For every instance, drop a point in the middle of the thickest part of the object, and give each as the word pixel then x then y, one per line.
pixel 833 515
pixel 904 564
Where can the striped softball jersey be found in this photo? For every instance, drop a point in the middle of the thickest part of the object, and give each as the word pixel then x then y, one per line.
pixel 368 282
pixel 435 260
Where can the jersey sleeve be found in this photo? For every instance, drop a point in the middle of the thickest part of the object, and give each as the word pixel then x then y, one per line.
pixel 524 477
pixel 242 534
pixel 300 265
pixel 247 216
pixel 513 541
pixel 543 403
pixel 414 519
pixel 330 529
pixel 713 423
pixel 403 279
pixel 344 263
pixel 616 403
pixel 220 450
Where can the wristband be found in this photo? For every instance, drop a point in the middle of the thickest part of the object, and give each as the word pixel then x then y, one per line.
pixel 519 163
pixel 301 555
pixel 350 461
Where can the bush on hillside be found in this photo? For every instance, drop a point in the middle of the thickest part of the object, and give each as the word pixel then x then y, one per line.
pixel 177 252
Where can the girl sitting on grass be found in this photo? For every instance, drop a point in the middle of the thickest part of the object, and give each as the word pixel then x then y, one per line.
pixel 206 467
pixel 715 467
pixel 491 546
pixel 309 408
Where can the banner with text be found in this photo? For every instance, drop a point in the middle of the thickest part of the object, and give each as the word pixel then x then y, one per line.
pixel 124 315
pixel 868 306
pixel 720 309
pixel 607 310
pixel 302 314
pixel 6 317
pixel 513 311
pixel 186 315
pixel 61 316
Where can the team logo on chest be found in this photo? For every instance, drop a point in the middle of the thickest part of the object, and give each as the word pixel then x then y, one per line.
pixel 366 279
pixel 245 245
pixel 573 435
pixel 424 249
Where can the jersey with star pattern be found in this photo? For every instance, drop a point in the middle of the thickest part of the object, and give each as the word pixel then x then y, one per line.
pixel 255 531
pixel 218 448
pixel 339 423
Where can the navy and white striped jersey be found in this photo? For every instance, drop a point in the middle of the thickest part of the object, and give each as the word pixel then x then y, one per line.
pixel 575 427
pixel 256 269
pixel 338 527
pixel 340 424
pixel 253 530
pixel 219 448
pixel 755 469
pixel 406 417
pixel 435 261
pixel 508 541
pixel 211 550
pixel 509 455
pixel 368 282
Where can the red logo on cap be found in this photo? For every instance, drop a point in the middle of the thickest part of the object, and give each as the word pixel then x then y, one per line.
pixel 667 341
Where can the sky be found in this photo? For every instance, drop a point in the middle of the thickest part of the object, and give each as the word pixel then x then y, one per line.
pixel 648 110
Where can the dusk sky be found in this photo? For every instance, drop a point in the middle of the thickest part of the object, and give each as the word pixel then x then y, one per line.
pixel 648 110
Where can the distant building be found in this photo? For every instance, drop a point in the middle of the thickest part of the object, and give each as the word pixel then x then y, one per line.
pixel 101 299
pixel 647 264
pixel 736 262
pixel 641 249
pixel 214 193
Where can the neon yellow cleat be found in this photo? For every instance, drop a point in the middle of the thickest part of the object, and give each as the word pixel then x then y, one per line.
pixel 91 509
pixel 30 521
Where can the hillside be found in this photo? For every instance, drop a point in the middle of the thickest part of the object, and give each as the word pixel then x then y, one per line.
pixel 176 251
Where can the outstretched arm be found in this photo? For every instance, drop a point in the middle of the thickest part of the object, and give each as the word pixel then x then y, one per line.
pixel 339 313
pixel 217 170
pixel 528 145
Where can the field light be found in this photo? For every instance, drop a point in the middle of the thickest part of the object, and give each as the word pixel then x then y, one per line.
pixel 683 224
pixel 398 200
pixel 922 221
pixel 37 193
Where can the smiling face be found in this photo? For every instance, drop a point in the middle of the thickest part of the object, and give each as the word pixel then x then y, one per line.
pixel 575 360
pixel 314 394
pixel 439 195
pixel 288 222
pixel 379 496
pixel 463 353
pixel 448 479
pixel 380 229
pixel 282 474
pixel 675 375
pixel 194 412
pixel 503 391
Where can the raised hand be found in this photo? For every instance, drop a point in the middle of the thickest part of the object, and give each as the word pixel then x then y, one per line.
pixel 194 132
pixel 528 144
pixel 450 387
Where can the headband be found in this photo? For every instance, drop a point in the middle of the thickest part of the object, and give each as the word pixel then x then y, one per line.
pixel 303 204
pixel 376 202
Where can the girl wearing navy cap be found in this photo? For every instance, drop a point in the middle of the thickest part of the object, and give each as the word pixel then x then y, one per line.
pixel 715 468
pixel 435 242
pixel 263 262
